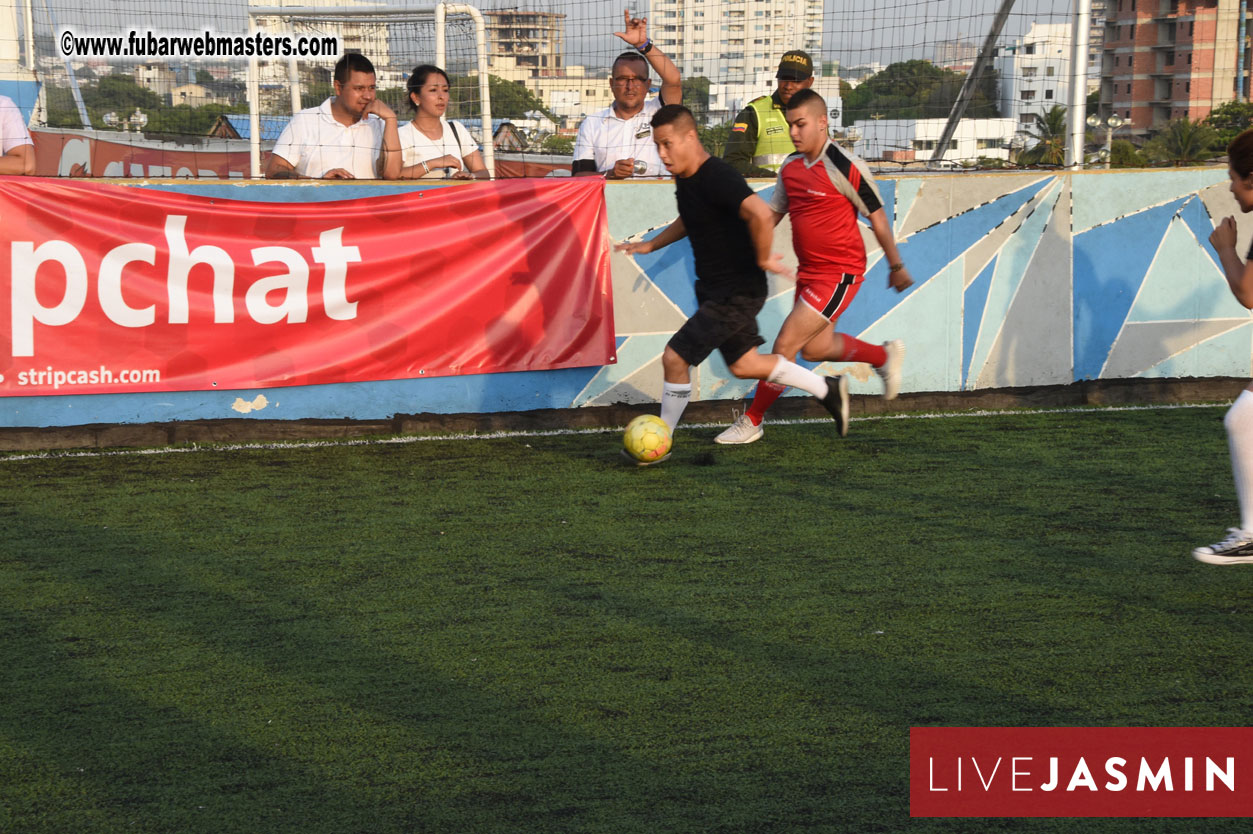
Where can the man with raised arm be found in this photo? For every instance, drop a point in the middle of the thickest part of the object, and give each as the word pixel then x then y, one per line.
pixel 617 142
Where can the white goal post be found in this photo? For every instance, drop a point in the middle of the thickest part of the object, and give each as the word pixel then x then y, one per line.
pixel 437 13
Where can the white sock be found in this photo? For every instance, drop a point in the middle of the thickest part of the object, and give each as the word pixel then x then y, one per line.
pixel 1239 425
pixel 674 397
pixel 789 373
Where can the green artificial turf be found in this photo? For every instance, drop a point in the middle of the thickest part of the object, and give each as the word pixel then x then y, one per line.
pixel 525 635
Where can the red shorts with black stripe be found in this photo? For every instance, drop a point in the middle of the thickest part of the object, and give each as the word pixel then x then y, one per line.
pixel 829 295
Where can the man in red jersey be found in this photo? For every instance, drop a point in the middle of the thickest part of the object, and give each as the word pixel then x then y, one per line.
pixel 824 190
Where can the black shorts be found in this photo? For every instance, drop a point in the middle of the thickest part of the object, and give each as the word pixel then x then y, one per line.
pixel 728 325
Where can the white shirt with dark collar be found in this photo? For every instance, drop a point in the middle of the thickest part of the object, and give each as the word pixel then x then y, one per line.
pixel 605 138
pixel 315 143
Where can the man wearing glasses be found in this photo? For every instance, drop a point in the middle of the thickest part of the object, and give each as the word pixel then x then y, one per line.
pixel 617 142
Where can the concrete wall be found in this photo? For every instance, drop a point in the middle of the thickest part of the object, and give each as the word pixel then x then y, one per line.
pixel 1022 279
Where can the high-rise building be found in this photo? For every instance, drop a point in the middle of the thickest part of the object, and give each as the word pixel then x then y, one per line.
pixel 535 40
pixel 1167 59
pixel 732 40
pixel 1034 73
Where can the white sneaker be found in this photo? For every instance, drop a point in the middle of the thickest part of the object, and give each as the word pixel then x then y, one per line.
pixel 1236 549
pixel 741 431
pixel 891 370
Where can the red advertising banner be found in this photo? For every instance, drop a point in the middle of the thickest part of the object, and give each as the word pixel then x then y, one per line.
pixel 1081 771
pixel 110 289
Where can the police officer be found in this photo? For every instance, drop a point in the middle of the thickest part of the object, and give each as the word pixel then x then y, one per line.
pixel 759 139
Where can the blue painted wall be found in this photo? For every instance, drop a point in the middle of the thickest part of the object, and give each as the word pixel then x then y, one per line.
pixel 1021 279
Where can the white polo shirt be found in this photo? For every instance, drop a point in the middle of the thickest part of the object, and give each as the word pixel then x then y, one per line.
pixel 605 138
pixel 13 132
pixel 314 143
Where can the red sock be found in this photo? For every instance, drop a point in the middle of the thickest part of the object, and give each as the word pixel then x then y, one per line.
pixel 763 398
pixel 855 350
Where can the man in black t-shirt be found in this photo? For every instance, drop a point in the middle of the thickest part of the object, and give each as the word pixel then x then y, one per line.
pixel 731 230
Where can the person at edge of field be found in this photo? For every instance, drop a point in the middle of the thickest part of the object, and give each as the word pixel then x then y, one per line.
pixel 617 142
pixel 17 151
pixel 731 230
pixel 432 145
pixel 759 140
pixel 824 189
pixel 1237 548
pixel 351 135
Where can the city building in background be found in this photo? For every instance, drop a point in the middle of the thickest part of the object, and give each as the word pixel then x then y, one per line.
pixel 1167 59
pixel 958 55
pixel 727 39
pixel 1033 73
pixel 910 140
pixel 527 40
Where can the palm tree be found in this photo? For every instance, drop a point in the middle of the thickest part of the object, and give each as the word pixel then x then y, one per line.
pixel 1050 136
pixel 1183 142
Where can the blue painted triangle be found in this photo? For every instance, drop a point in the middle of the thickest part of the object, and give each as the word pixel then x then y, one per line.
pixel 887 192
pixel 976 298
pixel 1107 275
pixel 929 251
pixel 672 270
pixel 1197 217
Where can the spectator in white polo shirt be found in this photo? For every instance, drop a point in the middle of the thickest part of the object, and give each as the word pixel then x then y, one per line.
pixel 17 152
pixel 351 135
pixel 617 142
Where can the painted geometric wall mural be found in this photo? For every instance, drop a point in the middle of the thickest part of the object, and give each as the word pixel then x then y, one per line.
pixel 1021 279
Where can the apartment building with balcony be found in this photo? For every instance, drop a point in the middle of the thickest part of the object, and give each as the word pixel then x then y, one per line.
pixel 734 40
pixel 1034 73
pixel 1167 59
pixel 530 40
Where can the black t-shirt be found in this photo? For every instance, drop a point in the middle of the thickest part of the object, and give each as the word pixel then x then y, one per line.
pixel 709 204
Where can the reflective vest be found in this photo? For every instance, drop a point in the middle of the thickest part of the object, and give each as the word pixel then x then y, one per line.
pixel 773 142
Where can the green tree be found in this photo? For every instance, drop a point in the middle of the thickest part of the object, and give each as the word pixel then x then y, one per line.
pixel 715 138
pixel 203 76
pixel 189 121
pixel 696 97
pixel 1183 142
pixel 121 94
pixel 1093 104
pixel 1229 120
pixel 1123 154
pixel 917 90
pixel 1050 137
pixel 510 99
pixel 563 145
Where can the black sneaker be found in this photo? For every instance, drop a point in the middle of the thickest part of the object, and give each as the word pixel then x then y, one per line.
pixel 836 402
pixel 1236 549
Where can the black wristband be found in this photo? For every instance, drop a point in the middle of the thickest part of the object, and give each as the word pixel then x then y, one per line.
pixel 646 48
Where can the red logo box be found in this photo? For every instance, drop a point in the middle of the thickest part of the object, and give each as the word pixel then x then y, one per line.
pixel 1081 771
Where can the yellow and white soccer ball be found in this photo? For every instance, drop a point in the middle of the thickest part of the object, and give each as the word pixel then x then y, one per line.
pixel 647 438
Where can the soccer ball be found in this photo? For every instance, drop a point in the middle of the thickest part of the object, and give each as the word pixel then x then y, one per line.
pixel 647 438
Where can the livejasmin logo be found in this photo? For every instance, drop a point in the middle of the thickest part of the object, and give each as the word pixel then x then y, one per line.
pixel 1077 775
pixel 1081 771
pixel 292 306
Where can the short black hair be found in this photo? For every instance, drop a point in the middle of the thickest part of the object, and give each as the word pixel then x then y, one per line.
pixel 674 114
pixel 631 56
pixel 350 63
pixel 807 96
